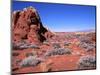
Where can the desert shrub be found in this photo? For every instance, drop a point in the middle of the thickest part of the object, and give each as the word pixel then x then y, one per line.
pixel 29 54
pixel 84 39
pixel 87 38
pixel 68 36
pixel 92 35
pixel 18 61
pixel 30 61
pixel 86 42
pixel 87 62
pixel 67 43
pixel 87 47
pixel 24 45
pixel 46 42
pixel 78 35
pixel 58 52
pixel 90 47
pixel 71 36
pixel 15 46
pixel 56 45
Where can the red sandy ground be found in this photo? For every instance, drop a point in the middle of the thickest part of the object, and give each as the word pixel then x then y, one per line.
pixel 57 62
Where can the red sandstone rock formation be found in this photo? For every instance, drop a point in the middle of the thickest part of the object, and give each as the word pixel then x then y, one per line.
pixel 26 25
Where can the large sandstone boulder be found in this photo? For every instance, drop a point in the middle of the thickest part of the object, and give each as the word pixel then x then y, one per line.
pixel 26 25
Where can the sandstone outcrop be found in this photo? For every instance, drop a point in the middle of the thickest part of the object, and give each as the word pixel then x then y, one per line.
pixel 27 25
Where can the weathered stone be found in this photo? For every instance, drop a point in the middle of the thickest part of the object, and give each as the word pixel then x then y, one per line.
pixel 26 25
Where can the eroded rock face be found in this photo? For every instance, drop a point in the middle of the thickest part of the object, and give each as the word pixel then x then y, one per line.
pixel 26 25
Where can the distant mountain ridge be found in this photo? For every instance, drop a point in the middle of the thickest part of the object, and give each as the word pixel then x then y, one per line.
pixel 88 30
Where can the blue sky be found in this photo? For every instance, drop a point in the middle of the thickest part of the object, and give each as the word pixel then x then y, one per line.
pixel 62 17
